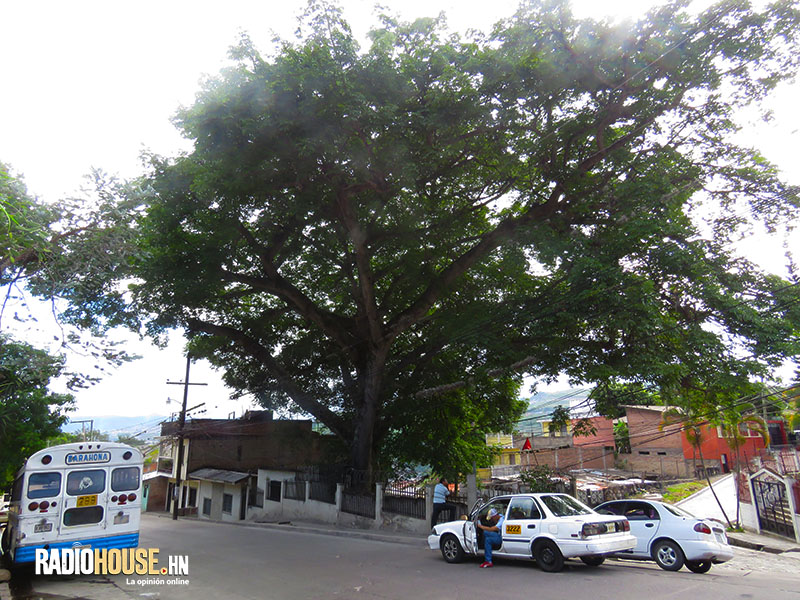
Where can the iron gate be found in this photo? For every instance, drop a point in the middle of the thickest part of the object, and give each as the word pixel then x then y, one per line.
pixel 773 508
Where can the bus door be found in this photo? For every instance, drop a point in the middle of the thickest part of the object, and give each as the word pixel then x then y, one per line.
pixel 40 507
pixel 85 501
pixel 124 500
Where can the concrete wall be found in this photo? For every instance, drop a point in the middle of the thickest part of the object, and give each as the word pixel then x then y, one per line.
pixel 156 494
pixel 323 512
pixel 577 457
pixel 216 491
pixel 659 462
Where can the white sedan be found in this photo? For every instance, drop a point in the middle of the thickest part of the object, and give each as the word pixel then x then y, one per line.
pixel 545 527
pixel 671 536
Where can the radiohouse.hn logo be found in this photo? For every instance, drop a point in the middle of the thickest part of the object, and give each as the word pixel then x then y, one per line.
pixel 83 560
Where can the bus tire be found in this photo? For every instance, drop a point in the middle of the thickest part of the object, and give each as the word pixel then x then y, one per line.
pixel 5 541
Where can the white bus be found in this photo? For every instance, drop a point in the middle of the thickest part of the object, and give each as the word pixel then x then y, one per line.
pixel 81 495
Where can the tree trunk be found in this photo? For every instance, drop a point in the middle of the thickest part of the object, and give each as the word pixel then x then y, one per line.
pixel 366 418
pixel 708 479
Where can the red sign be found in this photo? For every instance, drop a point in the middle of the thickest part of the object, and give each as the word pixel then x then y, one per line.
pixel 527 444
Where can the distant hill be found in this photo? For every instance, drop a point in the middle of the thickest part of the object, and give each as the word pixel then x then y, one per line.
pixel 114 426
pixel 542 404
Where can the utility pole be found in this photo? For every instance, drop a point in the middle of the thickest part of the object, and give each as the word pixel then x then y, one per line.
pixel 83 428
pixel 181 422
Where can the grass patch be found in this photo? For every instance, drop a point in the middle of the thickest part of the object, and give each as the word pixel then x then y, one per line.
pixel 676 493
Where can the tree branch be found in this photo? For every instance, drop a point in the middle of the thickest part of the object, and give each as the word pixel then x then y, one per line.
pixel 262 354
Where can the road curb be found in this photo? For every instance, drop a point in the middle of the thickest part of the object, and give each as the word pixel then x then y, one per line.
pixel 405 539
pixel 356 533
pixel 761 547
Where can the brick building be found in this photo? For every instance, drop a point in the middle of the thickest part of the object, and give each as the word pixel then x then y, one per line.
pixel 222 457
pixel 656 451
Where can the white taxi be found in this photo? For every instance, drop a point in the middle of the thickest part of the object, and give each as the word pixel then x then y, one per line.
pixel 546 527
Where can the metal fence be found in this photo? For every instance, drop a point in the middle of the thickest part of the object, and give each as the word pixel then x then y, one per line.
pixel 323 491
pixel 358 504
pixel 406 500
pixel 294 490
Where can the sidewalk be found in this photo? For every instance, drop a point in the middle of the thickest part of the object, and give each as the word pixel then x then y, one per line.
pixel 380 535
pixel 764 543
pixel 703 504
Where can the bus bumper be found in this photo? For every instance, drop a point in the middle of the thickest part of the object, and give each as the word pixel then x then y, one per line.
pixel 27 554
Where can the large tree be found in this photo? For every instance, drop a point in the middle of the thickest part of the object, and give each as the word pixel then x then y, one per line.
pixel 387 239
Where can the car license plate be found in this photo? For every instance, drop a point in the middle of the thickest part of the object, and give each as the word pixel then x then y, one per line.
pixel 513 529
pixel 721 538
pixel 121 519
pixel 42 527
pixel 87 500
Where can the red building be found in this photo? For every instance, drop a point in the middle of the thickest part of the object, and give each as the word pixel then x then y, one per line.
pixel 716 447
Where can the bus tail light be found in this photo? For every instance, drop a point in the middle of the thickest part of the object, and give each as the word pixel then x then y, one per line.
pixel 131 497
pixel 33 506
pixel 123 498
pixel 44 505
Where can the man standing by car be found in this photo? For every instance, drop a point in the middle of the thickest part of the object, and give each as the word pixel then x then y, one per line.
pixel 440 494
pixel 492 536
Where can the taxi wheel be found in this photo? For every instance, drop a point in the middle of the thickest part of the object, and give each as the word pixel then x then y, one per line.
pixel 698 566
pixel 548 556
pixel 451 549
pixel 668 555
pixel 593 561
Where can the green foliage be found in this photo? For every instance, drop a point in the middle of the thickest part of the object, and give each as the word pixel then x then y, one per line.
pixel 131 440
pixel 24 227
pixel 538 479
pixel 610 397
pixel 358 235
pixel 622 440
pixel 449 435
pixel 680 491
pixel 559 420
pixel 29 413
pixel 584 427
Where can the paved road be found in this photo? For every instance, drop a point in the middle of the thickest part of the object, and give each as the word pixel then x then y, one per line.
pixel 249 562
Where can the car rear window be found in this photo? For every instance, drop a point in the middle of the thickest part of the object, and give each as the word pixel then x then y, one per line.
pixel 678 512
pixel 565 506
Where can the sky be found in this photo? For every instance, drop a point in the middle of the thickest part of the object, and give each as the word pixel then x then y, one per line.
pixel 91 84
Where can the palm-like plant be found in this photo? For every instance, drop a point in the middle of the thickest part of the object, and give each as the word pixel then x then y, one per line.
pixel 790 398
pixel 692 422
pixel 732 418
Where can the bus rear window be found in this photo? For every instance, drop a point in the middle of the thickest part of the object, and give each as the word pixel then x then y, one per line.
pixel 83 516
pixel 86 482
pixel 43 485
pixel 125 479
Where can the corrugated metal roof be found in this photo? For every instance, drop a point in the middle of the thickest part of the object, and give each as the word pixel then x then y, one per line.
pixel 218 475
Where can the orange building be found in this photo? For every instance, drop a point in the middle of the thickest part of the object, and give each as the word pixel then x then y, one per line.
pixel 716 447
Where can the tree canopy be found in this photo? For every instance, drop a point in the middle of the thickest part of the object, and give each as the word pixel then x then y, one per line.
pixel 29 413
pixel 388 238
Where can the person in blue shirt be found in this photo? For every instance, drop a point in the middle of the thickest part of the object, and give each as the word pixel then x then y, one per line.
pixel 440 504
pixel 492 536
